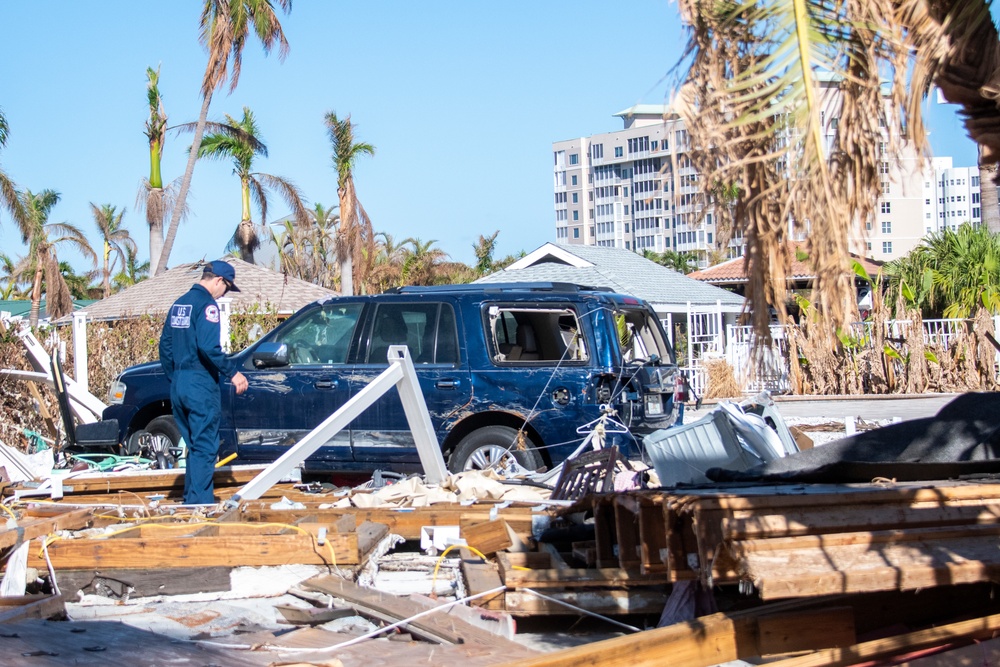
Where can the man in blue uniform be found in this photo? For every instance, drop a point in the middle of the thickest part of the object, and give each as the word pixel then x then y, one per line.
pixel 193 360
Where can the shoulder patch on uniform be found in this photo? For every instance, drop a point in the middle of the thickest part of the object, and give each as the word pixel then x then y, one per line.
pixel 212 313
pixel 180 316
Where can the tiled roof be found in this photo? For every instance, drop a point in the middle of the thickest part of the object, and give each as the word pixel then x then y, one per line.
pixel 621 270
pixel 734 271
pixel 259 286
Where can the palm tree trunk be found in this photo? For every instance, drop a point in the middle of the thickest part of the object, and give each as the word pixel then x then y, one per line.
pixel 988 194
pixel 175 216
pixel 36 293
pixel 156 228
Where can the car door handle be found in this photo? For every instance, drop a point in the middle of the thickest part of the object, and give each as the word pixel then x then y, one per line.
pixel 448 384
pixel 325 384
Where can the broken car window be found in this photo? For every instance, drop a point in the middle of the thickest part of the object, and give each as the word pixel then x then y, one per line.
pixel 322 337
pixel 536 335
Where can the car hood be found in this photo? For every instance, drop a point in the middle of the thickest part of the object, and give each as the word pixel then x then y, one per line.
pixel 148 368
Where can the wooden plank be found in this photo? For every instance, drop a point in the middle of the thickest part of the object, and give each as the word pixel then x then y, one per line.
pixel 626 532
pixel 853 518
pixel 865 539
pixel 481 576
pixel 791 632
pixel 406 522
pixel 652 538
pixel 537 570
pixel 167 552
pixel 30 528
pixel 112 482
pixel 977 628
pixel 488 537
pixel 117 583
pixel 13 609
pixel 609 602
pixel 448 627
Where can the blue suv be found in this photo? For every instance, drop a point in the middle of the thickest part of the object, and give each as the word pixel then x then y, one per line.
pixel 507 371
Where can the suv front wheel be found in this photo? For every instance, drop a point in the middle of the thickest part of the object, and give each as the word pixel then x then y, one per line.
pixel 493 447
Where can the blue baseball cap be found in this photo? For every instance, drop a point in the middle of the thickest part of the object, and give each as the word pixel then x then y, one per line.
pixel 225 271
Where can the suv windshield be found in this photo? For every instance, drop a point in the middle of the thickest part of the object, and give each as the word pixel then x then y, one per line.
pixel 640 338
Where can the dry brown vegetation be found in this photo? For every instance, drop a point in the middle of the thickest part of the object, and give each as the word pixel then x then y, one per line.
pixel 721 380
pixel 870 361
pixel 111 348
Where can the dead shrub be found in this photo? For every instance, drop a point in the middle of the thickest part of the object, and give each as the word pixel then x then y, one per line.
pixel 721 380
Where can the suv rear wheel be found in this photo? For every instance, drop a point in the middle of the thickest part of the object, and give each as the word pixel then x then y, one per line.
pixel 493 447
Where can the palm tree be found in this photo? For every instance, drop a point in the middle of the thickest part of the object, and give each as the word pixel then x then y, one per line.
pixel 225 26
pixel 355 241
pixel 988 192
pixel 9 198
pixel 158 201
pixel 950 274
pixel 420 266
pixel 484 249
pixel 387 271
pixel 116 240
pixel 240 143
pixel 752 106
pixel 132 271
pixel 77 284
pixel 11 280
pixel 43 238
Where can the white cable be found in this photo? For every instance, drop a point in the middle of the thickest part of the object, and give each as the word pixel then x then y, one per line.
pixel 48 562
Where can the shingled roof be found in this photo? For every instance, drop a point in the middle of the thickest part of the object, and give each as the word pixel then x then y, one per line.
pixel 619 269
pixel 734 272
pixel 259 286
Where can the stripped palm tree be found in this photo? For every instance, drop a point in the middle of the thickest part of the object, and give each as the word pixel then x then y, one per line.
pixel 155 199
pixel 484 249
pixel 117 241
pixel 9 198
pixel 225 27
pixel 43 238
pixel 240 142
pixel 355 240
pixel 752 103
pixel 11 285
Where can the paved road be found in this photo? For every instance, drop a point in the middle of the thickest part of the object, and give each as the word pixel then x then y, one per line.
pixel 865 407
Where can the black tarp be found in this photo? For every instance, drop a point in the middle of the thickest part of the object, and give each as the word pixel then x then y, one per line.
pixel 962 440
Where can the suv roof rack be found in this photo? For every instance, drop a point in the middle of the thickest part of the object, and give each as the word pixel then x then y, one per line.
pixel 498 287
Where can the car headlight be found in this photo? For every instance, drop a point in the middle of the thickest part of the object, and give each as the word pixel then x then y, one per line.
pixel 116 393
pixel 654 405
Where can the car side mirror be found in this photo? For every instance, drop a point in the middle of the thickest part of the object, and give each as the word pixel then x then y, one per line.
pixel 268 355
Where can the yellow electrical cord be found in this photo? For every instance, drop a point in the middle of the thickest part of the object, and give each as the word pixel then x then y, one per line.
pixel 445 553
pixel 7 510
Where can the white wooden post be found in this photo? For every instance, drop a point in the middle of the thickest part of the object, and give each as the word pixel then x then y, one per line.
pixel 80 372
pixel 670 330
pixel 719 330
pixel 689 336
pixel 225 309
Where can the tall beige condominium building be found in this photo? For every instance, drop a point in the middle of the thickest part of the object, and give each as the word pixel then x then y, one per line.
pixel 635 188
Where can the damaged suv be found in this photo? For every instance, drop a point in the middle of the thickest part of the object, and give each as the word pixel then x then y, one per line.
pixel 507 371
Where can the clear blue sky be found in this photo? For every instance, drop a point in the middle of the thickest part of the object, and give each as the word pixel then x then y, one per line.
pixel 461 100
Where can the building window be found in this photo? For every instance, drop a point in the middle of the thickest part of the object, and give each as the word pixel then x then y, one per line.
pixel 868 226
pixel 576 232
pixel 927 201
pixel 975 197
pixel 974 182
pixel 626 212
pixel 574 158
pixel 576 215
pixel 573 179
pixel 886 207
pixel 619 151
pixel 887 247
pixel 576 198
pixel 885 187
pixel 886 227
pixel 597 151
pixel 560 197
pixel 975 212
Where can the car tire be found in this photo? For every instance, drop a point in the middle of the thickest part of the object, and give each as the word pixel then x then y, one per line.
pixel 486 446
pixel 164 427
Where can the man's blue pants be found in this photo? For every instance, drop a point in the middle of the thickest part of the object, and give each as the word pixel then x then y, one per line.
pixel 197 404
